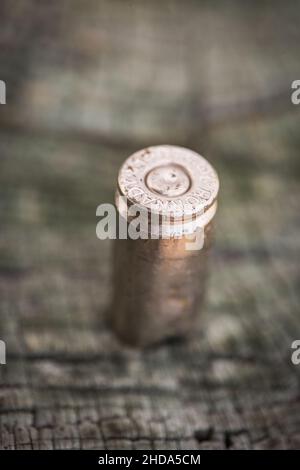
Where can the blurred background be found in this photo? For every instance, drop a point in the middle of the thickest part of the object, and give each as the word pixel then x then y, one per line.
pixel 88 83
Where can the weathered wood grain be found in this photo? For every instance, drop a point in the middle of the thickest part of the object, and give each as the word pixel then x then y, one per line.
pixel 68 382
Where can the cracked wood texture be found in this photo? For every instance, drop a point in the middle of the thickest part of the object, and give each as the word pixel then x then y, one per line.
pixel 87 84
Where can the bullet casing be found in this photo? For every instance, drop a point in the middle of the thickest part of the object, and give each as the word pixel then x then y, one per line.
pixel 159 284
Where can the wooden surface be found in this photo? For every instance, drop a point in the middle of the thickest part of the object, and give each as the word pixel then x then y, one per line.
pixel 68 383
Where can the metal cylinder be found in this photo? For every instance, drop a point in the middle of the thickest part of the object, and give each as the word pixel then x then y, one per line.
pixel 160 276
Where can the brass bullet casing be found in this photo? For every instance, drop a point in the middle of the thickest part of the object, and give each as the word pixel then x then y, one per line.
pixel 159 279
